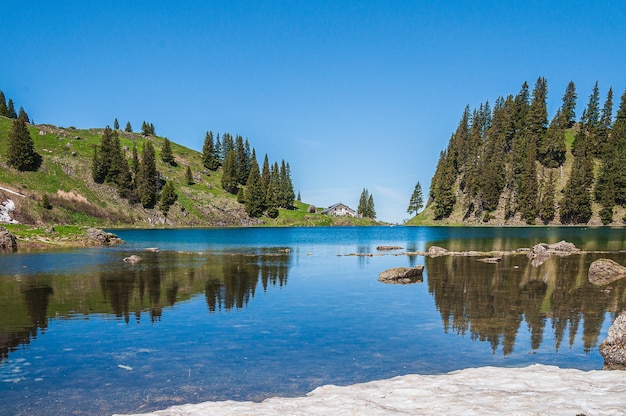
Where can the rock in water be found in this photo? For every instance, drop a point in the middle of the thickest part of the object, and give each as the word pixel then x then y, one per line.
pixel 8 242
pixel 436 251
pixel 97 236
pixel 604 271
pixel 613 349
pixel 402 275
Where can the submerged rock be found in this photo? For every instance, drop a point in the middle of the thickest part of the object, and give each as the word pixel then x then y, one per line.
pixel 613 349
pixel 604 271
pixel 8 242
pixel 388 248
pixel 402 275
pixel 133 259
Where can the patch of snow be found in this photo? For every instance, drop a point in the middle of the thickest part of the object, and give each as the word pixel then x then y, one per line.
pixel 537 389
pixel 7 207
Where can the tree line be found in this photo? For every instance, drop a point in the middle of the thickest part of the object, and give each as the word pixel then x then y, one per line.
pixel 511 157
pixel 261 190
pixel 21 153
pixel 7 109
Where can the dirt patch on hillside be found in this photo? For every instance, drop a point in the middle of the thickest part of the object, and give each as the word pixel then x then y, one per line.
pixel 72 196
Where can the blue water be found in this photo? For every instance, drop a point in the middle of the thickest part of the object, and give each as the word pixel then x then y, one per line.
pixel 251 313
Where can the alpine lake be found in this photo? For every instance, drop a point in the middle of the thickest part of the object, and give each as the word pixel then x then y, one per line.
pixel 250 313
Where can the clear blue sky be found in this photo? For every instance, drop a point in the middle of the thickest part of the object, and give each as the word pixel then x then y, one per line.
pixel 353 94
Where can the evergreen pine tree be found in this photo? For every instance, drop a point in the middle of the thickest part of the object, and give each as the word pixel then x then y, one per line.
pixel 273 188
pixel 568 108
pixel 243 161
pixel 135 160
pixel 417 200
pixel 22 114
pixel 4 111
pixel 371 211
pixel 166 153
pixel 188 176
pixel 576 203
pixel 21 150
pixel 265 174
pixel 362 208
pixel 286 187
pixel 604 127
pixel 229 173
pixel 546 205
pixel 442 187
pixel 254 198
pixel 116 124
pixel 147 177
pixel 168 197
pixel 129 128
pixel 11 109
pixel 552 152
pixel 210 158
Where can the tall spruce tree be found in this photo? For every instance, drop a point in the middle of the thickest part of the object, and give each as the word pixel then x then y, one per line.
pixel 442 187
pixel 21 153
pixel 4 111
pixel 188 176
pixel 168 197
pixel 610 186
pixel 286 192
pixel 116 124
pixel 604 127
pixel 210 159
pixel 147 177
pixel 128 128
pixel 362 208
pixel 22 114
pixel 416 202
pixel 229 173
pixel 575 207
pixel 371 211
pixel 568 108
pixel 547 210
pixel 166 153
pixel 11 109
pixel 273 189
pixel 254 197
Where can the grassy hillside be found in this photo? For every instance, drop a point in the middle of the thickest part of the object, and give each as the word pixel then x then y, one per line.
pixel 65 178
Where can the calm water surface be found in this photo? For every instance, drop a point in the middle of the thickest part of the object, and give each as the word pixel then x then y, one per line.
pixel 245 314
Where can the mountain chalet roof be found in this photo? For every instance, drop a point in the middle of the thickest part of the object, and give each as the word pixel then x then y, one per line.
pixel 339 210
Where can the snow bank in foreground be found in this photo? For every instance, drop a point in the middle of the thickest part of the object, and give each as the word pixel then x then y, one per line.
pixel 537 389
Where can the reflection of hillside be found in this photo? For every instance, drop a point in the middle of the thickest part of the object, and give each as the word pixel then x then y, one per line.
pixel 234 283
pixel 490 301
pixel 162 279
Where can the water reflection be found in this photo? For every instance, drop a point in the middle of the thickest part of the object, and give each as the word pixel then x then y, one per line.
pixel 490 301
pixel 134 290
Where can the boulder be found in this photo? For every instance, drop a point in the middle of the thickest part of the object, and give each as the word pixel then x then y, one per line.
pixel 133 259
pixel 613 349
pixel 562 248
pixel 8 242
pixel 539 251
pixel 435 251
pixel 604 271
pixel 402 275
pixel 97 236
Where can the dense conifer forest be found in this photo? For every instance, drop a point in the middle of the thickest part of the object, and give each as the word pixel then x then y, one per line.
pixel 509 164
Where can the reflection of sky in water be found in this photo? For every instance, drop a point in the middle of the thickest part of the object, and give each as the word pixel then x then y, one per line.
pixel 331 322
